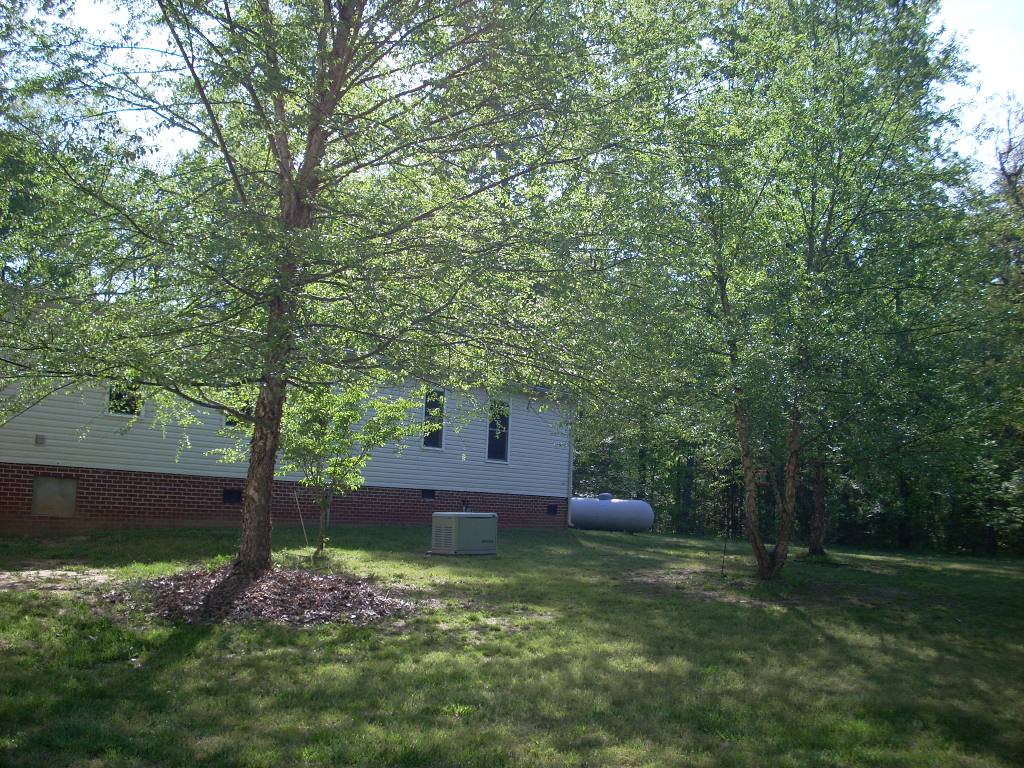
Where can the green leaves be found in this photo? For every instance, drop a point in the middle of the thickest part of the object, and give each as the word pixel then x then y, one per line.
pixel 795 230
pixel 329 433
pixel 393 193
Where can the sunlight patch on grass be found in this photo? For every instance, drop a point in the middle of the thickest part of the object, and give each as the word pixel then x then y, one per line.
pixel 551 654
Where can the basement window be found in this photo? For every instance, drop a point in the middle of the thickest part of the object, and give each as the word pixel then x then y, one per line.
pixel 232 496
pixel 124 400
pixel 427 493
pixel 552 509
pixel 497 431
pixel 433 418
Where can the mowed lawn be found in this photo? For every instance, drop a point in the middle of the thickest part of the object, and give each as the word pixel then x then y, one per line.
pixel 568 649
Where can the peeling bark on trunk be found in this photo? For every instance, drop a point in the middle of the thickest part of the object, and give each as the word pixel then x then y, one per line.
pixel 297 181
pixel 761 554
pixel 254 551
pixel 791 478
pixel 769 563
pixel 819 515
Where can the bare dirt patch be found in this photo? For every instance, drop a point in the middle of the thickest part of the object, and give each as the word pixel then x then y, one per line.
pixel 712 586
pixel 517 621
pixel 51 576
pixel 284 595
pixel 701 584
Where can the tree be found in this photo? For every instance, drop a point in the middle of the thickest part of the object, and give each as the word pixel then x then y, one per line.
pixel 785 190
pixel 361 185
pixel 1010 156
pixel 328 436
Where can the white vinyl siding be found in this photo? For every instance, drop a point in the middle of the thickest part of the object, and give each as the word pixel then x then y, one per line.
pixel 538 456
pixel 77 431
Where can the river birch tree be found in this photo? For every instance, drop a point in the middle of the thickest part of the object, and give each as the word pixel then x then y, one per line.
pixel 279 195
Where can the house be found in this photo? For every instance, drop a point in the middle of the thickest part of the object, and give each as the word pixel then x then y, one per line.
pixel 85 461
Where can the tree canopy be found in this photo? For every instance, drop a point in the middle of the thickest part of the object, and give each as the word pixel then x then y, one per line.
pixel 736 234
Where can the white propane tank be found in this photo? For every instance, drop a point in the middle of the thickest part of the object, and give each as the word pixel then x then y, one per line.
pixel 606 513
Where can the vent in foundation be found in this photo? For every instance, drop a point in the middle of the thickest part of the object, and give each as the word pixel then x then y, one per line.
pixel 232 495
pixel 54 496
pixel 427 493
pixel 552 509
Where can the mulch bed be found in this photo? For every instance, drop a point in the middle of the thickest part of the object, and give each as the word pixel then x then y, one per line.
pixel 283 595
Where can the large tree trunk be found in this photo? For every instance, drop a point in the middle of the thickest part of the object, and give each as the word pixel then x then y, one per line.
pixel 769 564
pixel 761 554
pixel 297 183
pixel 791 479
pixel 254 552
pixel 819 515
pixel 254 558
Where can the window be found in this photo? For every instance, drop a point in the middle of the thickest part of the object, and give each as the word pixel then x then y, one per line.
pixel 433 418
pixel 124 400
pixel 497 431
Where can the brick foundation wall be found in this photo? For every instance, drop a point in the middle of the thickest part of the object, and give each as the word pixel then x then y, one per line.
pixel 108 498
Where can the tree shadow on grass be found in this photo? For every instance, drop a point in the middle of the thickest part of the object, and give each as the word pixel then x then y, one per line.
pixel 920 673
pixel 554 658
pixel 937 662
pixel 73 700
pixel 114 549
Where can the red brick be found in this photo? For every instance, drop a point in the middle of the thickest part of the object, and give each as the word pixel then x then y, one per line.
pixel 120 499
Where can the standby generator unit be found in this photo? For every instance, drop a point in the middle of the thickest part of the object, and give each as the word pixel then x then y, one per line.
pixel 464 533
pixel 606 513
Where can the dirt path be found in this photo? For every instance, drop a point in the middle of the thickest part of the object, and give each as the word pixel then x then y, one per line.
pixel 51 576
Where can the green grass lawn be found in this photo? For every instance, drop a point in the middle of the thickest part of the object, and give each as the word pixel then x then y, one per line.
pixel 568 649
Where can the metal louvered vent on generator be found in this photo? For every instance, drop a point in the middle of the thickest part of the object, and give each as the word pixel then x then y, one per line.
pixel 443 538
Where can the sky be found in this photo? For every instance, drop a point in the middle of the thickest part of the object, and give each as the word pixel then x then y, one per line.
pixel 992 35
